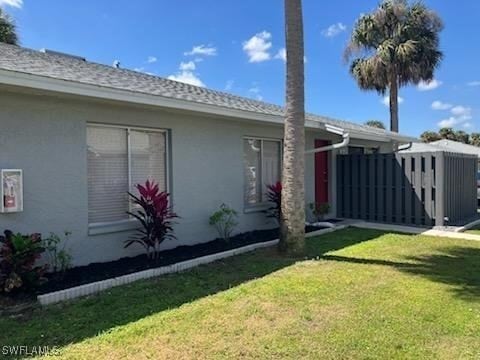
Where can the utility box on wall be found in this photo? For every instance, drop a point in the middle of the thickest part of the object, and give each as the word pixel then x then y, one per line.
pixel 11 190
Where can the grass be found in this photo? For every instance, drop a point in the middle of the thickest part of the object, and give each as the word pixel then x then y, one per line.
pixel 475 230
pixel 361 294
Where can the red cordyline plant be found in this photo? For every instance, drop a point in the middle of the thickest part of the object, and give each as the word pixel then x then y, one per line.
pixel 274 195
pixel 156 215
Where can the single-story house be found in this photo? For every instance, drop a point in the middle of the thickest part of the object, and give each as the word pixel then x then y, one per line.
pixel 84 134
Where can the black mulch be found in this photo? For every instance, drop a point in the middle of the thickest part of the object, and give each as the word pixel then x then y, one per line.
pixel 101 271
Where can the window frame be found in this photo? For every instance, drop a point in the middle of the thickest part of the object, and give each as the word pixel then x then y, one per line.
pixel 130 223
pixel 261 206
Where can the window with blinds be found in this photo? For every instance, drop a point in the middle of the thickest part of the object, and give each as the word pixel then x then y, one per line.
pixel 262 167
pixel 118 159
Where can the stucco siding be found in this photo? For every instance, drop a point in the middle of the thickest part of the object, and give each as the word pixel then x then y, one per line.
pixel 46 137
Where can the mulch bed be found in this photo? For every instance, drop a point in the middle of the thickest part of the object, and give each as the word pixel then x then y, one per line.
pixel 101 271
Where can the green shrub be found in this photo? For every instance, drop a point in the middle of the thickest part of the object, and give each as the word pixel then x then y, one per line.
pixel 319 210
pixel 59 257
pixel 224 221
pixel 18 262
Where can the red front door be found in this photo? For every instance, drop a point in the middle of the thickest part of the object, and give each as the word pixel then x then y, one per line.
pixel 321 173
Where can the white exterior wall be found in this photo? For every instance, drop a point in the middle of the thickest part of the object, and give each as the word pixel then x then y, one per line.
pixel 46 137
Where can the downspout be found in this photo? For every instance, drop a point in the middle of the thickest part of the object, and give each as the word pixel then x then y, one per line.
pixel 406 147
pixel 337 131
pixel 342 144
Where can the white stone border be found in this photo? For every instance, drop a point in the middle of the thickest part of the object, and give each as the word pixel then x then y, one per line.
pixel 95 287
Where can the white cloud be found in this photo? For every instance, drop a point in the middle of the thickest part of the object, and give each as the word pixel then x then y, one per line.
pixel 229 85
pixel 467 125
pixel 334 30
pixel 186 74
pixel 386 100
pixel 142 70
pixel 460 116
pixel 187 77
pixel 431 85
pixel 461 111
pixel 202 50
pixel 255 92
pixel 187 66
pixel 258 46
pixel 450 122
pixel 13 3
pixel 152 59
pixel 281 54
pixel 474 83
pixel 438 105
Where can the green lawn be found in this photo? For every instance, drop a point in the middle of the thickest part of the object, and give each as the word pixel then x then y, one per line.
pixel 475 230
pixel 361 294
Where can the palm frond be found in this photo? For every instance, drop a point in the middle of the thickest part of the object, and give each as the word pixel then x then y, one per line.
pixel 397 38
pixel 8 31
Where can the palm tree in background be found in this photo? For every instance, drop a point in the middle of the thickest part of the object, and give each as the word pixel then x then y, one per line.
pixel 396 45
pixel 8 31
pixel 447 133
pixel 292 228
pixel 475 139
pixel 430 136
pixel 376 124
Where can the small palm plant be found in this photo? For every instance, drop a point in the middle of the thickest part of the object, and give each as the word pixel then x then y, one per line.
pixel 224 221
pixel 396 45
pixel 156 216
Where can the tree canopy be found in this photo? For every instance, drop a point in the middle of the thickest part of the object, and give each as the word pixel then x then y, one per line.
pixel 395 45
pixel 451 134
pixel 376 124
pixel 8 30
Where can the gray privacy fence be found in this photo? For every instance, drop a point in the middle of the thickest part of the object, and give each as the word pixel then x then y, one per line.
pixel 426 189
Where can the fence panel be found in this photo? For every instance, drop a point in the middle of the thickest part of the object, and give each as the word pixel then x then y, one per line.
pixel 422 189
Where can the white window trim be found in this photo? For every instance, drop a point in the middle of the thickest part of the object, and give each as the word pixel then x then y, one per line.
pixel 261 206
pixel 129 224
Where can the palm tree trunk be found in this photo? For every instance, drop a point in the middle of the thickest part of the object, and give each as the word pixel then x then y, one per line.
pixel 292 228
pixel 394 102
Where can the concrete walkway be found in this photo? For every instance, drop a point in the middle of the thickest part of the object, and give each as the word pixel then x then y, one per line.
pixel 414 230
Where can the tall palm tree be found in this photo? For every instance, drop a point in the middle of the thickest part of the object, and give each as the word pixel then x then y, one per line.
pixel 8 31
pixel 396 45
pixel 292 234
pixel 429 136
pixel 462 136
pixel 447 133
pixel 475 139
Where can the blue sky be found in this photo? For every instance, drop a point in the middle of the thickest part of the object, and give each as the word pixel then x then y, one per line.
pixel 236 46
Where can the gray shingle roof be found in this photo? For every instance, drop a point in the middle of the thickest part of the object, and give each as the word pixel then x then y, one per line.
pixel 18 59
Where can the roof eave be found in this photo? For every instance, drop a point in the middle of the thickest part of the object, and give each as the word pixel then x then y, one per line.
pixel 43 83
